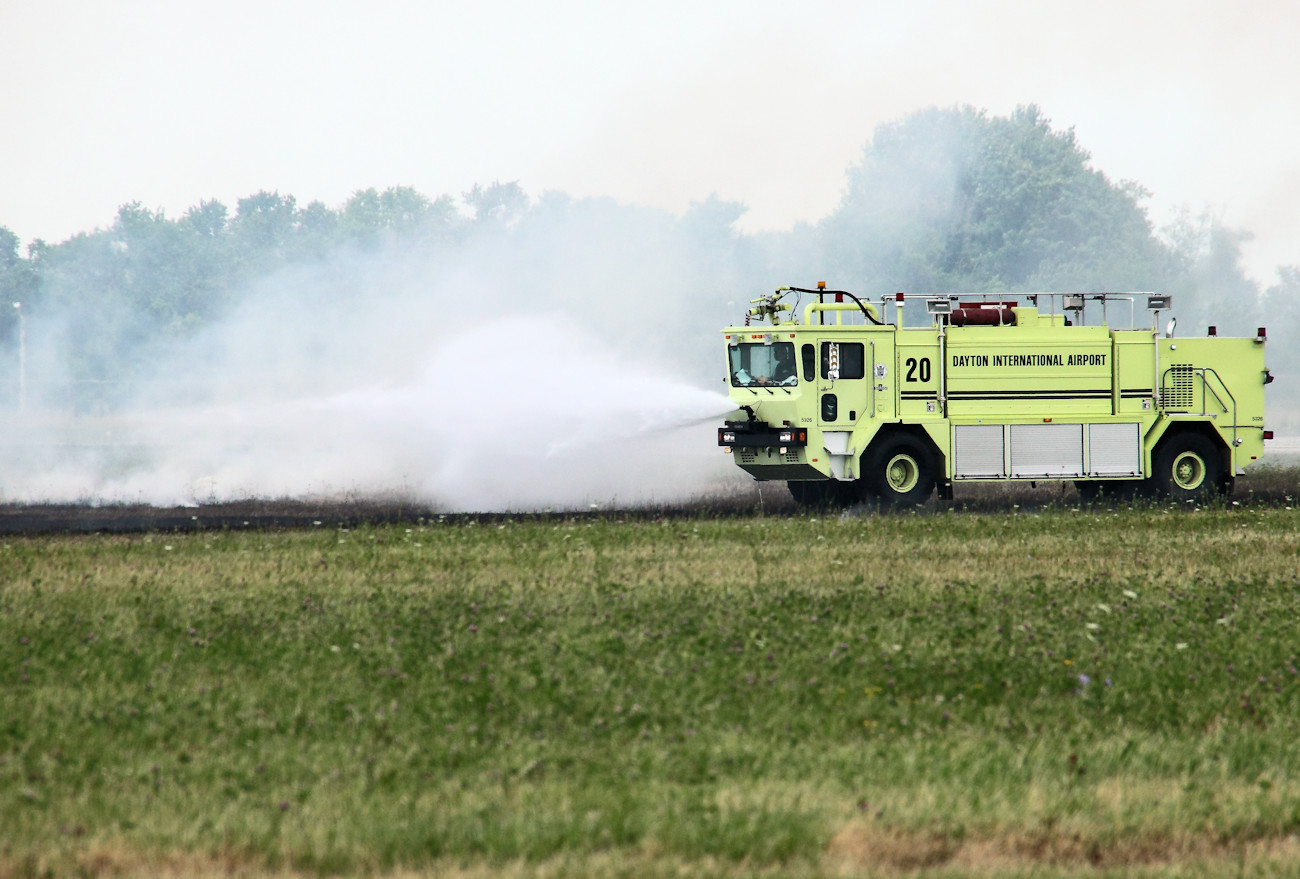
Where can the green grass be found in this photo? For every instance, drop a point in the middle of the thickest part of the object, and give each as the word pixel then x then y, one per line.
pixel 1044 693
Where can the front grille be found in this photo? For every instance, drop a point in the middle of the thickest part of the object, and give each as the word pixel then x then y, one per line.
pixel 751 456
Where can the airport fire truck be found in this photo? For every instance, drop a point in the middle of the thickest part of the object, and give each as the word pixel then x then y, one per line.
pixel 850 404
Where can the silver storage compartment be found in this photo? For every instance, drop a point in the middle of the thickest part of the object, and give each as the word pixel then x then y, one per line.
pixel 1114 450
pixel 1048 451
pixel 977 451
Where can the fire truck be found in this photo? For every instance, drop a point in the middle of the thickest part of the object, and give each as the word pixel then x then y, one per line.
pixel 888 401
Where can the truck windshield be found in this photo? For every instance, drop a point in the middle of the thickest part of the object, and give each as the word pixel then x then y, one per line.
pixel 756 364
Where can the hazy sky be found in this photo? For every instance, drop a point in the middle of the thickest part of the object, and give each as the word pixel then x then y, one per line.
pixel 767 103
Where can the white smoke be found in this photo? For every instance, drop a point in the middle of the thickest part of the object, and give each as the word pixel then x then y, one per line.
pixel 378 376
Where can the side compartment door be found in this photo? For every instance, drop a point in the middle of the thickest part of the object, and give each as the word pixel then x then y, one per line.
pixel 919 375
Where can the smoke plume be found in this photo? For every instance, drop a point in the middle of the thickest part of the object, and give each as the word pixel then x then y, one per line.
pixel 545 365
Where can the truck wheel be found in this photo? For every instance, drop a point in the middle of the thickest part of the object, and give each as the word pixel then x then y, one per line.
pixel 900 472
pixel 1186 468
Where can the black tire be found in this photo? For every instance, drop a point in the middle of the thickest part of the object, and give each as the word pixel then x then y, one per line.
pixel 1188 468
pixel 900 472
pixel 823 493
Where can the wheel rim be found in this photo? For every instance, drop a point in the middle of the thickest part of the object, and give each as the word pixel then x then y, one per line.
pixel 902 473
pixel 1189 471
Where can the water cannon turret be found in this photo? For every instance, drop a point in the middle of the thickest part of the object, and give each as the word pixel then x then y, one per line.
pixel 770 307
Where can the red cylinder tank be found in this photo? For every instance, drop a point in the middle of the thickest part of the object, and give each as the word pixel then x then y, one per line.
pixel 979 315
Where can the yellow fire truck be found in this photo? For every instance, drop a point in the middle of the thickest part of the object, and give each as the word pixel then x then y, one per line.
pixel 850 404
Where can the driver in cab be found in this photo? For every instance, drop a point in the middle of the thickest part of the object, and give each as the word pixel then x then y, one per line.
pixel 783 372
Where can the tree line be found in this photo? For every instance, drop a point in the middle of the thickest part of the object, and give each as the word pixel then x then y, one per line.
pixel 943 201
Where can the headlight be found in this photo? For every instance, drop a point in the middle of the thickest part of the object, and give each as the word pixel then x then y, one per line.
pixel 787 436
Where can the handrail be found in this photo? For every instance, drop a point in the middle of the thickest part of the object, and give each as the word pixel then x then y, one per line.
pixel 1202 372
pixel 1053 300
pixel 821 293
pixel 823 307
pixel 1222 384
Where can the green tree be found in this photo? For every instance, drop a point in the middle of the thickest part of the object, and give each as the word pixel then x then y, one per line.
pixel 1206 274
pixel 18 288
pixel 318 232
pixel 958 201
pixel 207 219
pixel 263 233
pixel 1281 316
pixel 499 204
pixel 18 278
pixel 397 213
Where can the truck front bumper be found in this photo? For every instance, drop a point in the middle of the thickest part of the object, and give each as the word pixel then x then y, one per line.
pixel 761 435
pixel 768 452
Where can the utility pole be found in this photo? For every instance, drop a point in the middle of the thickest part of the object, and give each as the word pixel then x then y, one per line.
pixel 22 358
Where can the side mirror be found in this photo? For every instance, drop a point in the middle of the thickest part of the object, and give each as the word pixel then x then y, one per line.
pixel 1169 327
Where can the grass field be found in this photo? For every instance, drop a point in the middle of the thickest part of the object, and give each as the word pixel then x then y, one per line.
pixel 1060 692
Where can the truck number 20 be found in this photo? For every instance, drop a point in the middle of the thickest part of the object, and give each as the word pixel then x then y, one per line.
pixel 922 366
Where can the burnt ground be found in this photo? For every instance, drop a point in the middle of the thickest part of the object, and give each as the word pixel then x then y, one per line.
pixel 246 514
pixel 257 514
pixel 1268 486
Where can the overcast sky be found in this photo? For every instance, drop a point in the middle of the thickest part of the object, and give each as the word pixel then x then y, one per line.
pixel 661 104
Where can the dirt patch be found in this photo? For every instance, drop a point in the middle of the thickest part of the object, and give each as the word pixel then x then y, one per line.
pixel 862 846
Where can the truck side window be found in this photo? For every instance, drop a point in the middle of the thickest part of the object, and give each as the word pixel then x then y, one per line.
pixel 809 366
pixel 853 359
